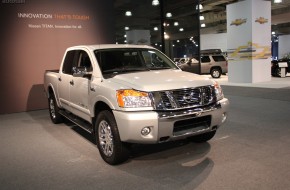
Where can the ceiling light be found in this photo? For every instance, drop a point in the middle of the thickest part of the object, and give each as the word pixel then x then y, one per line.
pixel 155 28
pixel 166 36
pixel 176 23
pixel 277 1
pixel 168 15
pixel 125 36
pixel 127 28
pixel 273 33
pixel 177 41
pixel 201 17
pixel 199 7
pixel 202 25
pixel 155 2
pixel 181 29
pixel 128 13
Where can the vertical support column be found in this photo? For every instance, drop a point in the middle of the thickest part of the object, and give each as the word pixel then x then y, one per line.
pixel 249 41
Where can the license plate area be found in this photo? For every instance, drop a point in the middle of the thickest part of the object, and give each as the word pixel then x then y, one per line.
pixel 192 125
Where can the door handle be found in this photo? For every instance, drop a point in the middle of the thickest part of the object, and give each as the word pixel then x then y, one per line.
pixel 72 82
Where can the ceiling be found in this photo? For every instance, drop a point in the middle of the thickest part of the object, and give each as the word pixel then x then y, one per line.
pixel 145 16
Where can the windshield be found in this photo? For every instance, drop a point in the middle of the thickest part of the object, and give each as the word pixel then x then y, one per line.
pixel 118 61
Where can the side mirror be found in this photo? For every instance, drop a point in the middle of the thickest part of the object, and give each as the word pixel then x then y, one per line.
pixel 81 72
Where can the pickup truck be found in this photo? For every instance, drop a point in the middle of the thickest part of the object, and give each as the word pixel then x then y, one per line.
pixel 124 94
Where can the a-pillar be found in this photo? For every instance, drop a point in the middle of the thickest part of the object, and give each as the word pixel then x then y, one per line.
pixel 249 41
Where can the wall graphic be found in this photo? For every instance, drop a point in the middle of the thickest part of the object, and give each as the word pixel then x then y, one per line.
pixel 34 36
pixel 249 52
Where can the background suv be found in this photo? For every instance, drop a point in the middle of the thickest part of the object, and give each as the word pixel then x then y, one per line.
pixel 212 62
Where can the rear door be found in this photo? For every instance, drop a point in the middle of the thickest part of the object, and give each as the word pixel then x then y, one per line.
pixel 205 64
pixel 64 80
pixel 221 62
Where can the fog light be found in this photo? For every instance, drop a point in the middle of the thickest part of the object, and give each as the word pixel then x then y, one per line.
pixel 145 131
pixel 224 117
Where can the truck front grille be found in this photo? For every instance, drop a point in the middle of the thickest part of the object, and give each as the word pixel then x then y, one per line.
pixel 184 98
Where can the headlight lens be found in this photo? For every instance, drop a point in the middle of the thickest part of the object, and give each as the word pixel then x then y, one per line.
pixel 133 99
pixel 218 91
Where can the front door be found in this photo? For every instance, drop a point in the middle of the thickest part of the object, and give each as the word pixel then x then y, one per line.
pixel 80 88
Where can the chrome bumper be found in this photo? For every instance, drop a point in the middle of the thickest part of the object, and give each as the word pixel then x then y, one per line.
pixel 171 125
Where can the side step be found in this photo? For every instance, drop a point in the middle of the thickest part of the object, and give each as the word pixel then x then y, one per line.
pixel 78 121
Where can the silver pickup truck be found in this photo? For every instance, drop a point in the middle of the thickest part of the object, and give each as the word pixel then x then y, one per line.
pixel 125 94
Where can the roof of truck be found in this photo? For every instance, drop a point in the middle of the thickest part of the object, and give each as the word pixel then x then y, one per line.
pixel 109 46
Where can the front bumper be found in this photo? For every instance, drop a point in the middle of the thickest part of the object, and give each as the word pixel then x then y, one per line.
pixel 173 125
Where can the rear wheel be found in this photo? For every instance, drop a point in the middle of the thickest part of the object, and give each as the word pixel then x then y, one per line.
pixel 203 137
pixel 111 148
pixel 54 110
pixel 216 73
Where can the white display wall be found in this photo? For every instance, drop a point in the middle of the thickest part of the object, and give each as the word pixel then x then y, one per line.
pixel 213 41
pixel 284 46
pixel 249 41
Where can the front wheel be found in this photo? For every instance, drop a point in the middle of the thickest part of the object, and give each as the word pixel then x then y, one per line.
pixel 55 116
pixel 215 73
pixel 111 148
pixel 203 137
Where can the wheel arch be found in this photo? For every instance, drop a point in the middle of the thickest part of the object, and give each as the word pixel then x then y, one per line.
pixel 216 67
pixel 51 92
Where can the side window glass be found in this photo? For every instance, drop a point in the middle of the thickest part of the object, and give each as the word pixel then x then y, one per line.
pixel 84 61
pixel 68 62
pixel 205 59
pixel 218 58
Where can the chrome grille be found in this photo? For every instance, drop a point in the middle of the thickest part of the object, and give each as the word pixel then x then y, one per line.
pixel 184 98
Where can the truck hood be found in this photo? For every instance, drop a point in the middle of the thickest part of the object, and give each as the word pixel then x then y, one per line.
pixel 158 80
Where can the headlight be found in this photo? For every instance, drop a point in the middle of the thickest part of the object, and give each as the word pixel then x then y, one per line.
pixel 133 99
pixel 218 91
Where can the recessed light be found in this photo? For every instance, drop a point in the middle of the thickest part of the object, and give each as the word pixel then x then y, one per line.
pixel 155 28
pixel 202 25
pixel 199 7
pixel 168 15
pixel 201 17
pixel 155 2
pixel 127 28
pixel 176 23
pixel 181 29
pixel 128 13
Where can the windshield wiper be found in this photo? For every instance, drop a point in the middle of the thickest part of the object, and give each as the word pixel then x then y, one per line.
pixel 160 68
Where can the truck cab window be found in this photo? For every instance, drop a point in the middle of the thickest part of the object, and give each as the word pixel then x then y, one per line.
pixel 84 61
pixel 68 62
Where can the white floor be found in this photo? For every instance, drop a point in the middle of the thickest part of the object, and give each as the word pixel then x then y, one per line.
pixel 275 82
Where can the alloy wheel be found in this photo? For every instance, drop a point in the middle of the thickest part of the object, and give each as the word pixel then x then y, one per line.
pixel 106 138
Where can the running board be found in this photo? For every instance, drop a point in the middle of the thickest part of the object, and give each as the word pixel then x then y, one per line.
pixel 78 121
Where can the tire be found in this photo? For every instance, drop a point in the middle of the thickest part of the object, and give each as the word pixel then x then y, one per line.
pixel 215 73
pixel 203 137
pixel 112 149
pixel 55 116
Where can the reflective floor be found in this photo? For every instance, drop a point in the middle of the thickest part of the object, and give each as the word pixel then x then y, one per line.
pixel 251 151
